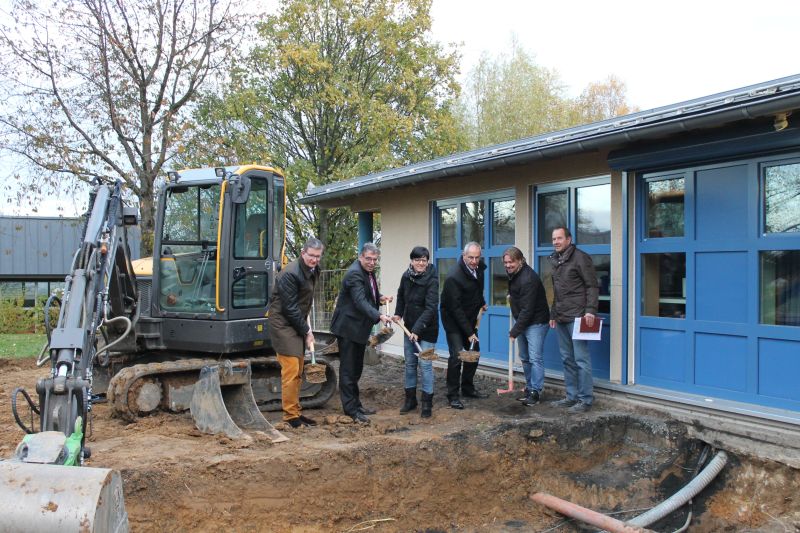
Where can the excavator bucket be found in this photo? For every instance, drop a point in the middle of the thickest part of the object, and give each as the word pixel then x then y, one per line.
pixel 57 498
pixel 223 402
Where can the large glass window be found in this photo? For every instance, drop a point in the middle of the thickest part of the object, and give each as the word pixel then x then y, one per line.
pixel 447 227
pixel 552 212
pixel 664 208
pixel 251 229
pixel 780 287
pixel 472 222
pixel 499 282
pixel 584 207
pixel 594 214
pixel 782 198
pixel 503 222
pixel 664 285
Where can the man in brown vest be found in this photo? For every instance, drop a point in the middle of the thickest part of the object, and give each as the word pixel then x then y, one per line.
pixel 288 325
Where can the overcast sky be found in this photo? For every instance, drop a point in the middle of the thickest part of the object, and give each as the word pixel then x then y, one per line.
pixel 665 52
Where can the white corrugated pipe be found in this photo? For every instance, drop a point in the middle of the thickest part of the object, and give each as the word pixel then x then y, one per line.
pixel 679 499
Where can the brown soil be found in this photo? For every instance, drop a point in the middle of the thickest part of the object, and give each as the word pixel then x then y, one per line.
pixel 467 471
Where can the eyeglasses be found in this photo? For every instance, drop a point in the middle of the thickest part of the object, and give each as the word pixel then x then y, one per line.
pixel 370 259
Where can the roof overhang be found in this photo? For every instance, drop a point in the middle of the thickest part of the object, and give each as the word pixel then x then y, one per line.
pixel 755 101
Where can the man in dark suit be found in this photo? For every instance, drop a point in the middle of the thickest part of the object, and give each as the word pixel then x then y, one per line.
pixel 461 300
pixel 355 314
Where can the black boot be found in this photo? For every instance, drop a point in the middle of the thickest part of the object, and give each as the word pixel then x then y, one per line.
pixel 427 405
pixel 411 401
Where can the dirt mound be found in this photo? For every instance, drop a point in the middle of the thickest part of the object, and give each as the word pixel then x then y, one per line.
pixel 470 470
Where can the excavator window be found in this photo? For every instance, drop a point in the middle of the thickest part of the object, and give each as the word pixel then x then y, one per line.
pixel 187 272
pixel 252 240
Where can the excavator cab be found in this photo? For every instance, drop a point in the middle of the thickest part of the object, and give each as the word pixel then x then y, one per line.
pixel 219 242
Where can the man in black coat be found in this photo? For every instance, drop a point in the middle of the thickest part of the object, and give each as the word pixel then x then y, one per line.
pixel 531 315
pixel 461 300
pixel 356 312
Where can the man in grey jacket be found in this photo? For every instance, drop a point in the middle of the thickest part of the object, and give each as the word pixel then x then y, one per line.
pixel 575 295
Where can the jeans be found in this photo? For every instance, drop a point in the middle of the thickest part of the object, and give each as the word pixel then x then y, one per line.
pixel 577 364
pixel 411 366
pixel 531 353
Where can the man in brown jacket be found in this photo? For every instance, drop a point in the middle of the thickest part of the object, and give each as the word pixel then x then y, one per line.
pixel 288 326
pixel 575 295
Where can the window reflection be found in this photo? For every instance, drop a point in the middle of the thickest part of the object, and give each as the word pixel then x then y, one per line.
pixel 594 215
pixel 545 272
pixel 665 199
pixel 250 291
pixel 602 267
pixel 444 265
pixel 780 287
pixel 782 198
pixel 472 222
pixel 447 227
pixel 552 213
pixel 499 281
pixel 503 222
pixel 664 285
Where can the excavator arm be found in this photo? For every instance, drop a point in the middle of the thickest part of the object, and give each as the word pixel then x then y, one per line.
pixel 100 292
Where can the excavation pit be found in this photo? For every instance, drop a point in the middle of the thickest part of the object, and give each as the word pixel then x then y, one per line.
pixel 460 471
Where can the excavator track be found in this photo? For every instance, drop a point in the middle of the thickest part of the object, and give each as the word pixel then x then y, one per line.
pixel 141 389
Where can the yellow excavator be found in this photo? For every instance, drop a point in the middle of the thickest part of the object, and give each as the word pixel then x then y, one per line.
pixel 183 330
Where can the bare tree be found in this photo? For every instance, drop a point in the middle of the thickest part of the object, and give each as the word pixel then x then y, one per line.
pixel 97 88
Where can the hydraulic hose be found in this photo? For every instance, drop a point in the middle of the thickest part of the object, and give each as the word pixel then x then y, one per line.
pixel 677 500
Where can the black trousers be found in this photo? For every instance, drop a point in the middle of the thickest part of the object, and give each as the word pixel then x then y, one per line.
pixel 351 365
pixel 459 375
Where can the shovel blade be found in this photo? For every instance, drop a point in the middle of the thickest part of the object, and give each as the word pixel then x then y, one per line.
pixel 223 402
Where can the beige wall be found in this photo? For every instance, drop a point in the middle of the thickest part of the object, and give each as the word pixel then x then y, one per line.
pixel 406 221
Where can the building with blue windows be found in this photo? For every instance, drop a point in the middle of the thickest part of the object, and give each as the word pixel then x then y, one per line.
pixel 691 213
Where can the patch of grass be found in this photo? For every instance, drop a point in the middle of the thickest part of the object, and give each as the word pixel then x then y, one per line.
pixel 14 345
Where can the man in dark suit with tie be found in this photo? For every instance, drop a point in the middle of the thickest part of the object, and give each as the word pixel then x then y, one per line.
pixel 357 310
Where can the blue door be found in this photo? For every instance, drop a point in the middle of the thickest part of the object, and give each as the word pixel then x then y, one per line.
pixel 583 206
pixel 489 220
pixel 718 291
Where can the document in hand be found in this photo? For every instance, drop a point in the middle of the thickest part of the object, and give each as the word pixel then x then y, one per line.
pixel 582 331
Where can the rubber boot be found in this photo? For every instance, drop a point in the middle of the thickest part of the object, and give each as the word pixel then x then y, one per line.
pixel 427 405
pixel 411 401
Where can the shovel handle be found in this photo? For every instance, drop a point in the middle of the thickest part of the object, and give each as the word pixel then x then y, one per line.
pixel 478 321
pixel 311 346
pixel 408 334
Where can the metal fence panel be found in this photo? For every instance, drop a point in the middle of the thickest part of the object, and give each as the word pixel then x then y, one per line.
pixel 325 293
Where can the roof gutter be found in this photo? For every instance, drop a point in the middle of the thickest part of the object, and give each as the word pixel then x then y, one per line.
pixel 776 103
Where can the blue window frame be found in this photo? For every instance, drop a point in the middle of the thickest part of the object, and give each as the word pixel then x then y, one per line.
pixel 583 206
pixel 490 220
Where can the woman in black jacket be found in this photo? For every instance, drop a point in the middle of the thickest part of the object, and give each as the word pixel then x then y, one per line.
pixel 417 305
